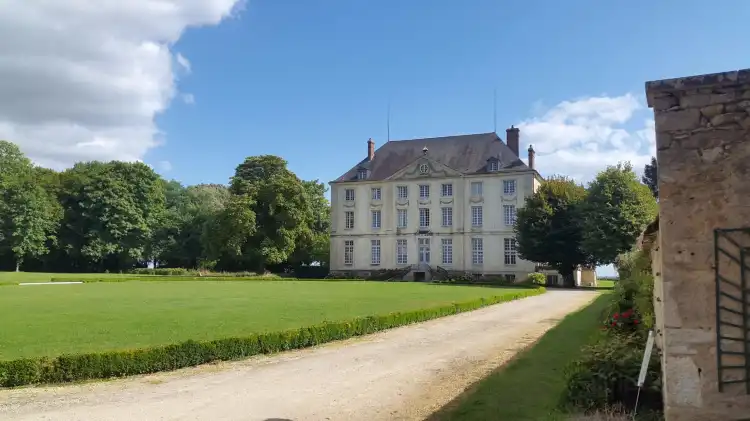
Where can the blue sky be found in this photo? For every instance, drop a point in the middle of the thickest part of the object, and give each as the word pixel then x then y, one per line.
pixel 311 80
pixel 194 87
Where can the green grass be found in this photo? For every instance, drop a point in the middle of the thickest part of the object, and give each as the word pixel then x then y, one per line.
pixel 56 319
pixel 605 283
pixel 530 386
pixel 11 278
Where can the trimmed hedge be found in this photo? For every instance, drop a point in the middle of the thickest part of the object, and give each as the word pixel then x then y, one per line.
pixel 70 368
pixel 165 278
pixel 195 272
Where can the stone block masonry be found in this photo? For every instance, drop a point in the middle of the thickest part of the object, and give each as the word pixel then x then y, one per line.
pixel 703 153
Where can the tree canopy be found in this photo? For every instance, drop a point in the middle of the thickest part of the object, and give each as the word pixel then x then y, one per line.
pixel 29 214
pixel 617 209
pixel 549 226
pixel 565 225
pixel 116 216
pixel 650 173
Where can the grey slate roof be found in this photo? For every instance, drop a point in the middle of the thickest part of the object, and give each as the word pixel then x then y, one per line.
pixel 467 154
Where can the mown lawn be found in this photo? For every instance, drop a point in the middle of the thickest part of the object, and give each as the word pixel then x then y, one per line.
pixel 49 320
pixel 606 283
pixel 530 386
pixel 22 277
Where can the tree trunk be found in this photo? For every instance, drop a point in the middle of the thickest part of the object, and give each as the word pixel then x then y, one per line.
pixel 567 275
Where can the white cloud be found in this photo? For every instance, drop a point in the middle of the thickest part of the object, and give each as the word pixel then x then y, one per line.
pixel 164 166
pixel 581 137
pixel 182 61
pixel 82 80
pixel 188 99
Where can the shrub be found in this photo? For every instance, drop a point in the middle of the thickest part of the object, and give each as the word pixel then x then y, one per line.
pixel 606 375
pixel 537 278
pixel 627 321
pixel 164 271
pixel 67 368
pixel 635 289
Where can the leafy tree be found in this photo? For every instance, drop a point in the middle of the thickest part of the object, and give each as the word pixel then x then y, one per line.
pixel 280 204
pixel 316 247
pixel 181 237
pixel 29 214
pixel 229 231
pixel 548 227
pixel 617 209
pixel 111 211
pixel 650 177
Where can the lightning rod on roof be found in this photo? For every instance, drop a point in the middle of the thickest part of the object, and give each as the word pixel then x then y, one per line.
pixel 388 120
pixel 494 109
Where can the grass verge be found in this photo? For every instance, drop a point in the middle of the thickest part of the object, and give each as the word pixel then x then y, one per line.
pixel 50 320
pixel 529 387
pixel 120 363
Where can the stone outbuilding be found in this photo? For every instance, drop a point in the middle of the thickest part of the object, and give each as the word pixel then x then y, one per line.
pixel 702 275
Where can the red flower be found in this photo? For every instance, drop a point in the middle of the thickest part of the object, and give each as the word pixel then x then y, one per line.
pixel 635 321
pixel 614 323
pixel 615 315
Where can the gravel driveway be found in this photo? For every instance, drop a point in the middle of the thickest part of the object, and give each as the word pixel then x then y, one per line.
pixel 401 374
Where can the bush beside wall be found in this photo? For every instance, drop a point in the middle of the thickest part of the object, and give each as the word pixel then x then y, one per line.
pixel 606 373
pixel 69 368
pixel 606 376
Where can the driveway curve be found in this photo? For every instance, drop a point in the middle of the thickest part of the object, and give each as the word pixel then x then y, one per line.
pixel 401 374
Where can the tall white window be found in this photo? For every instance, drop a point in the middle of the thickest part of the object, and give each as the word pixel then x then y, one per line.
pixel 401 256
pixel 376 216
pixel 349 195
pixel 349 252
pixel 401 218
pixel 447 217
pixel 424 191
pixel 494 166
pixel 362 174
pixel 349 216
pixel 375 251
pixel 375 191
pixel 509 187
pixel 510 251
pixel 403 192
pixel 476 216
pixel 447 244
pixel 509 211
pixel 476 188
pixel 446 190
pixel 477 251
pixel 424 217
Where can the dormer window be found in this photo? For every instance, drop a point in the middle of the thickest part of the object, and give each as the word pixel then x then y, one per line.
pixel 361 174
pixel 493 166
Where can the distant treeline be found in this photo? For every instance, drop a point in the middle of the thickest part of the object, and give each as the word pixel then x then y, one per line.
pixel 116 216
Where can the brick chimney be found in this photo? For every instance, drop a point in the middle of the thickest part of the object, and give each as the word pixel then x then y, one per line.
pixel 532 154
pixel 370 150
pixel 512 139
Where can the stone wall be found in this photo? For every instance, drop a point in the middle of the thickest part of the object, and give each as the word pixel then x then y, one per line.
pixel 703 153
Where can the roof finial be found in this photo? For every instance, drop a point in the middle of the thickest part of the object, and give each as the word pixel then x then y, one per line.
pixel 424 150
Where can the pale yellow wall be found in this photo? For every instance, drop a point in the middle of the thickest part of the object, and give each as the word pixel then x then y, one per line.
pixel 588 277
pixel 493 230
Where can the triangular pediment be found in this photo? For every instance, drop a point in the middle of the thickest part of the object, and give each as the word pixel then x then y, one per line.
pixel 424 167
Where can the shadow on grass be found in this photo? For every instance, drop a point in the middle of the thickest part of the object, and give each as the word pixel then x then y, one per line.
pixel 528 388
pixel 446 284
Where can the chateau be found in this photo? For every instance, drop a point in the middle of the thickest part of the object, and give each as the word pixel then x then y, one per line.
pixel 447 202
